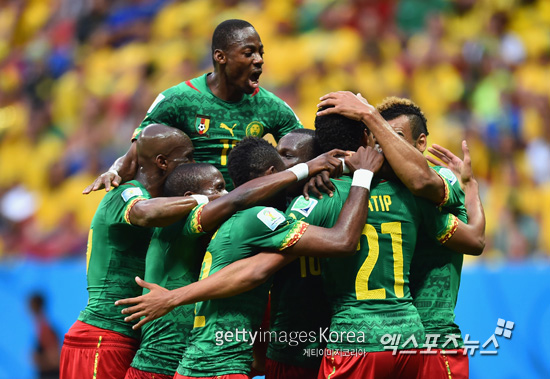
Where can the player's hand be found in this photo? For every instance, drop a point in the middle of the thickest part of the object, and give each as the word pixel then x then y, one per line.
pixel 346 104
pixel 366 158
pixel 328 161
pixel 461 168
pixel 318 184
pixel 151 306
pixel 104 180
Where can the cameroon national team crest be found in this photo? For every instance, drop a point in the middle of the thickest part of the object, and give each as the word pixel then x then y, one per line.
pixel 202 123
pixel 255 129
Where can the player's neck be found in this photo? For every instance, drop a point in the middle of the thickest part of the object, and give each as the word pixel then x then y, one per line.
pixel 222 89
pixel 151 180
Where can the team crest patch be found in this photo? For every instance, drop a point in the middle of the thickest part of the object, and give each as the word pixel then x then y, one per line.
pixel 271 217
pixel 255 129
pixel 304 206
pixel 202 123
pixel 128 193
pixel 448 174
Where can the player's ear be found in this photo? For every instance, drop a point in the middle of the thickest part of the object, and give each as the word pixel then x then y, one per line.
pixel 367 139
pixel 219 56
pixel 161 161
pixel 269 171
pixel 421 143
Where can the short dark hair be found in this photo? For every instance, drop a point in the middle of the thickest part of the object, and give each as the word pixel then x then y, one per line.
pixel 224 34
pixel 250 158
pixel 186 177
pixel 313 148
pixel 393 107
pixel 335 131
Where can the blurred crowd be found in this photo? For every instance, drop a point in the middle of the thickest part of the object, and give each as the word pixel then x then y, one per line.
pixel 77 76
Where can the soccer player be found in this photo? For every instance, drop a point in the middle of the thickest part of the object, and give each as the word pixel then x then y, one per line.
pixel 100 342
pixel 369 292
pixel 175 253
pixel 298 303
pixel 245 234
pixel 217 109
pixel 432 264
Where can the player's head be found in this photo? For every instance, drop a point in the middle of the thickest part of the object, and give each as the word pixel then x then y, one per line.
pixel 298 146
pixel 335 131
pixel 195 178
pixel 237 54
pixel 251 158
pixel 407 119
pixel 36 303
pixel 163 147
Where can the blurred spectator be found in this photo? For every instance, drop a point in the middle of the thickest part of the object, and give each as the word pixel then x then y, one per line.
pixel 47 349
pixel 76 78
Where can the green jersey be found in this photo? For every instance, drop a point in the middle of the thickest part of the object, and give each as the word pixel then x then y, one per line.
pixel 298 305
pixel 214 125
pixel 222 338
pixel 173 261
pixel 115 256
pixel 369 292
pixel 435 272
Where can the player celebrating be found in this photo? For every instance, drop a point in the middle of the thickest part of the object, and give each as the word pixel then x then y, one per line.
pixel 175 253
pixel 217 109
pixel 246 233
pixel 406 128
pixel 100 342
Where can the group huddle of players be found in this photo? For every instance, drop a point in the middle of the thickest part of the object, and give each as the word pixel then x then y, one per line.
pixel 359 279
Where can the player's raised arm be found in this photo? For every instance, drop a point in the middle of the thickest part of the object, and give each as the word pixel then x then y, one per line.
pixel 404 156
pixel 471 237
pixel 259 189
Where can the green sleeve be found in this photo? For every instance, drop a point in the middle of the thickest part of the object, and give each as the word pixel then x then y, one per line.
pixel 288 121
pixel 267 228
pixel 162 111
pixel 193 227
pixel 438 223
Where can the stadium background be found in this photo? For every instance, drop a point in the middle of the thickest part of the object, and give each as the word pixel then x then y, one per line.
pixel 77 76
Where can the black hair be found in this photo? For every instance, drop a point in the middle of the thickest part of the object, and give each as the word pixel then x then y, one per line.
pixel 186 177
pixel 224 34
pixel 393 107
pixel 250 158
pixel 335 131
pixel 313 148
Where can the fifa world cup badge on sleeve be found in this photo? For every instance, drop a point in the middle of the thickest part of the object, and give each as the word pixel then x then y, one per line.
pixel 304 206
pixel 127 194
pixel 448 174
pixel 271 217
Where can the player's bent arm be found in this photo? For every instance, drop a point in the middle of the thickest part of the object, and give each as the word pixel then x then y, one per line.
pixel 343 237
pixel 236 278
pixel 408 163
pixel 259 189
pixel 161 211
pixel 467 239
pixel 122 170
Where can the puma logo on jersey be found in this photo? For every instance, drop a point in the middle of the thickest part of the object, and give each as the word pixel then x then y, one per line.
pixel 223 126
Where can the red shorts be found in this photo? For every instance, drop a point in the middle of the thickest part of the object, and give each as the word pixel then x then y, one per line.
pixel 134 373
pixel 93 352
pixel 228 376
pixel 275 370
pixel 375 365
pixel 445 366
